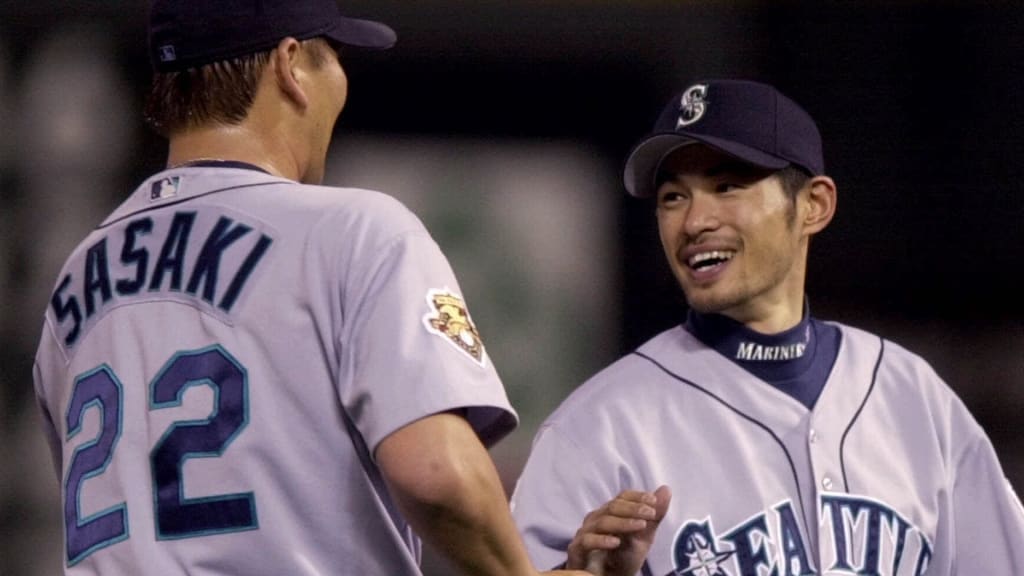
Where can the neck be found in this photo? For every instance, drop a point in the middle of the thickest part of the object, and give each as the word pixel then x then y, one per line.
pixel 782 307
pixel 776 310
pixel 239 143
pixel 780 317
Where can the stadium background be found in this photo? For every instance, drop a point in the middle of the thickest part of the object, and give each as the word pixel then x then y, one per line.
pixel 505 124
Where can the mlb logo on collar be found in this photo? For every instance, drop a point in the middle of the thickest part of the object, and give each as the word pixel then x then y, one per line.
pixel 165 188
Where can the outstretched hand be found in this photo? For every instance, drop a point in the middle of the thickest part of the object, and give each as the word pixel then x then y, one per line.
pixel 614 539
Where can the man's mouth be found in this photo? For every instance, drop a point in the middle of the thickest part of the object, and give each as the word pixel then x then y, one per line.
pixel 709 260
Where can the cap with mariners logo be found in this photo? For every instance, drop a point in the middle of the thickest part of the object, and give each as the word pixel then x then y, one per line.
pixel 750 121
pixel 191 33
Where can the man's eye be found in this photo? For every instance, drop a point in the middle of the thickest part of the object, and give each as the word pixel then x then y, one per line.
pixel 727 187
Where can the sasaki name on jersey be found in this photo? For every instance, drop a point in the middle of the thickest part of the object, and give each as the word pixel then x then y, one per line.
pixel 169 255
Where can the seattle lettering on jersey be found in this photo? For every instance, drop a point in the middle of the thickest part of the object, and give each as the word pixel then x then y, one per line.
pixel 133 261
pixel 857 536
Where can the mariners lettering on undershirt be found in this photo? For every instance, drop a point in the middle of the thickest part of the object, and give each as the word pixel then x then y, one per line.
pixel 734 340
pixel 755 351
pixel 796 361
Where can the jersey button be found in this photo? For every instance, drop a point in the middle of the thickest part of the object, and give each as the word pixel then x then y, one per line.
pixel 826 483
pixel 813 436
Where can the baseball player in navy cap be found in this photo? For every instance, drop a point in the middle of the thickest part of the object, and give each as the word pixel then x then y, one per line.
pixel 756 439
pixel 244 372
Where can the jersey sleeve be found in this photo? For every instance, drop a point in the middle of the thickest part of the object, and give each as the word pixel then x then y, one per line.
pixel 558 487
pixel 409 345
pixel 46 393
pixel 988 518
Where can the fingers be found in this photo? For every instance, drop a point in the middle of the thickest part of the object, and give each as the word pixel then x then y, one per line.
pixel 588 550
pixel 594 541
pixel 632 504
pixel 663 496
pixel 636 496
pixel 631 513
pixel 595 562
pixel 627 513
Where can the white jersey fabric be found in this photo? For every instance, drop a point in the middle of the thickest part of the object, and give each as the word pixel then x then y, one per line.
pixel 888 475
pixel 219 361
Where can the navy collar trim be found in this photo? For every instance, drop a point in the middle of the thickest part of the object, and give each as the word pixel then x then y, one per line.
pixel 220 164
pixel 774 357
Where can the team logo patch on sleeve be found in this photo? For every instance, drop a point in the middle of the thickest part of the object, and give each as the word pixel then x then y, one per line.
pixel 449 319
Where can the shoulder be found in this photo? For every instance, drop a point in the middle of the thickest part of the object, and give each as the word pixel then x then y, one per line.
pixel 354 221
pixel 613 392
pixel 891 357
pixel 905 378
pixel 369 207
pixel 278 201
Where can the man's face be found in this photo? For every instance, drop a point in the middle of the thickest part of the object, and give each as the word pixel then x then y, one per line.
pixel 730 235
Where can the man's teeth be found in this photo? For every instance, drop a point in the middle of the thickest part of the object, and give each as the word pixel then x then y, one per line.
pixel 709 258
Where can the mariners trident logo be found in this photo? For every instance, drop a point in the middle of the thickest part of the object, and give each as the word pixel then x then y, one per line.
pixel 692 105
pixel 696 553
pixel 449 319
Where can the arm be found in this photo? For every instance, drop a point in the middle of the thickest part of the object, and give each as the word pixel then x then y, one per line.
pixel 445 484
pixel 615 538
pixel 49 429
pixel 988 518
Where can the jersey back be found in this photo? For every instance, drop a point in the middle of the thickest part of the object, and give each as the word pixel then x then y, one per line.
pixel 221 357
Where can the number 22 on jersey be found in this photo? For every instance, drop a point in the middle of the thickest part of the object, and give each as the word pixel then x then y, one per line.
pixel 175 516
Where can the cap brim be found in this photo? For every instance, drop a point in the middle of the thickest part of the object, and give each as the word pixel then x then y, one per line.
pixel 362 34
pixel 642 164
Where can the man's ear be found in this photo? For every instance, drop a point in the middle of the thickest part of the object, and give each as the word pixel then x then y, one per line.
pixel 285 61
pixel 821 204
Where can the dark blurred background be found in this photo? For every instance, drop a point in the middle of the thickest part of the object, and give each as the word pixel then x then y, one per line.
pixel 523 111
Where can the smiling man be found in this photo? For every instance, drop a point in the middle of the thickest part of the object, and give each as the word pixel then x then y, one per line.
pixel 778 443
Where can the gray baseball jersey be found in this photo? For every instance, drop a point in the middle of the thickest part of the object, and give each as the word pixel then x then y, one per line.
pixel 219 361
pixel 888 474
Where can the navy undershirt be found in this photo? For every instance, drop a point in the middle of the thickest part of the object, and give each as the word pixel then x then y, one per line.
pixel 797 361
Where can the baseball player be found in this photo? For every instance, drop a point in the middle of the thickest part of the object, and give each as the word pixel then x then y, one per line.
pixel 244 372
pixel 756 439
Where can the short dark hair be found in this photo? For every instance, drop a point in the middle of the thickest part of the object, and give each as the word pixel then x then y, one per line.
pixel 221 92
pixel 793 178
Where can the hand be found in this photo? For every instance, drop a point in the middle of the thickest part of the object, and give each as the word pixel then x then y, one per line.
pixel 614 539
pixel 566 573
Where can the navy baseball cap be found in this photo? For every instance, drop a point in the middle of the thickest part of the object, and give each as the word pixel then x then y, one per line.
pixel 191 33
pixel 750 121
